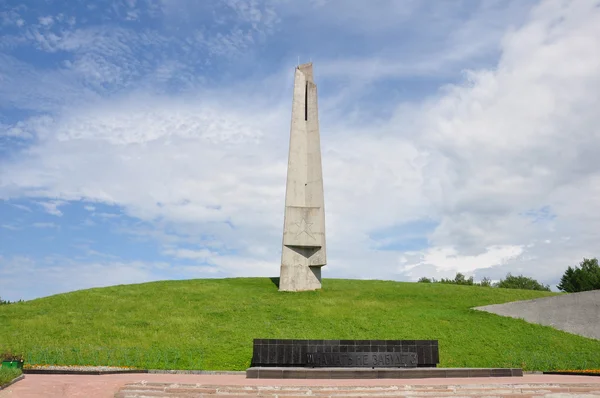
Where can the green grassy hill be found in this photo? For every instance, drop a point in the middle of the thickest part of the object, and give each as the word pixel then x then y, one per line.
pixel 209 324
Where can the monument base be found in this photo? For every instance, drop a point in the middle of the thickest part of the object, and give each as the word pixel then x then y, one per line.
pixel 377 373
pixel 298 278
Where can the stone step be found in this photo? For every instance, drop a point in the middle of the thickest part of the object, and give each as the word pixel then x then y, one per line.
pixel 171 390
pixel 377 373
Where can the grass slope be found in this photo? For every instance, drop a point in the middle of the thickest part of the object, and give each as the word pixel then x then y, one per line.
pixel 210 324
pixel 8 374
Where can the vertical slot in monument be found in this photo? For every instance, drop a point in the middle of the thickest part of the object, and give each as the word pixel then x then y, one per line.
pixel 306 102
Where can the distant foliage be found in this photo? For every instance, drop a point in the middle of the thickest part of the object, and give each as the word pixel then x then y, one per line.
pixel 583 278
pixel 2 302
pixel 521 282
pixel 459 279
pixel 510 282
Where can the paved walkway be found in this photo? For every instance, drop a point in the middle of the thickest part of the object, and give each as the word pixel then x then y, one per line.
pixel 158 385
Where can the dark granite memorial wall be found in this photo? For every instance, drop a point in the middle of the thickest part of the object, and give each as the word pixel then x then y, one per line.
pixel 323 353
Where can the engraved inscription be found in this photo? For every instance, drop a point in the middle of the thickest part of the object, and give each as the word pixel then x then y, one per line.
pixel 361 359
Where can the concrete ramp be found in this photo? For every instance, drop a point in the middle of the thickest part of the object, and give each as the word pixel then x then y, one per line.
pixel 577 313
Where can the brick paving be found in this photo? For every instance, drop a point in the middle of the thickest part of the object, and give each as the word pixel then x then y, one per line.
pixel 232 386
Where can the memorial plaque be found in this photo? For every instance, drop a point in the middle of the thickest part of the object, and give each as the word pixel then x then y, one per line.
pixel 303 353
pixel 361 359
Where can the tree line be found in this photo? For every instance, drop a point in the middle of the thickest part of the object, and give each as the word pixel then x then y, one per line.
pixel 8 302
pixel 580 278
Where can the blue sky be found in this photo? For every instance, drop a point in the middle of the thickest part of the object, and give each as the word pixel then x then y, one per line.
pixel 147 140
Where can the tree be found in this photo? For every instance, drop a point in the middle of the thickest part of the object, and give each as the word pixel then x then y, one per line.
pixel 568 282
pixel 521 282
pixel 486 282
pixel 459 279
pixel 424 280
pixel 580 279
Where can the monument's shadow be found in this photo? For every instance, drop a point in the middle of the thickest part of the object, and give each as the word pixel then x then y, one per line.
pixel 275 281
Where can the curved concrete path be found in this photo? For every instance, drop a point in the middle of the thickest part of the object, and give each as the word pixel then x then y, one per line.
pixel 108 386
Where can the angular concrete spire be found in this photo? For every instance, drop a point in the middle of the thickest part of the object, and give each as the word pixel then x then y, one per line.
pixel 303 253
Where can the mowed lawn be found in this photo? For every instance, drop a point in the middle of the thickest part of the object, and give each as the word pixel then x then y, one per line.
pixel 209 324
pixel 8 374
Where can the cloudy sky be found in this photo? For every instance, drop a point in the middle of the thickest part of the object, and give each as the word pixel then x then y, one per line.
pixel 147 139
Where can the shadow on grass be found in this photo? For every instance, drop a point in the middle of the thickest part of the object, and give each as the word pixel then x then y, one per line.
pixel 275 281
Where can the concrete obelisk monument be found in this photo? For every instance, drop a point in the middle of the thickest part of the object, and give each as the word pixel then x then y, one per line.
pixel 303 253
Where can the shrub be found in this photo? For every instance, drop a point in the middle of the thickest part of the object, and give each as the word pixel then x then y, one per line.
pixel 11 356
pixel 521 282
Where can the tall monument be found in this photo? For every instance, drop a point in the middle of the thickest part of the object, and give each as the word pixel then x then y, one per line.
pixel 303 253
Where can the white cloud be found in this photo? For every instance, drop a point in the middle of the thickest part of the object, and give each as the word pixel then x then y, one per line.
pixel 46 21
pixel 52 207
pixel 448 259
pixel 190 254
pixel 520 137
pixel 22 207
pixel 44 225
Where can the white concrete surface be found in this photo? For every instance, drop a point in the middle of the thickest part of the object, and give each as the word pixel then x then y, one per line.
pixel 303 249
pixel 577 313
